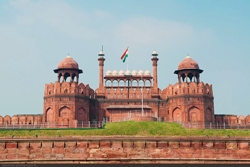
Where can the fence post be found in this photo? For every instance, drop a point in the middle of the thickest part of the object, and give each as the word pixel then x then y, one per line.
pixel 76 124
pixel 210 125
pixel 224 125
pixel 238 126
pixel 217 125
pixel 6 125
pixel 69 124
pixel 82 124
pixel 20 125
pixel 89 124
pixel 27 125
pixel 13 125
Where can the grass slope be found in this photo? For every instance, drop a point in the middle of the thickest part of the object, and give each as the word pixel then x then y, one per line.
pixel 128 128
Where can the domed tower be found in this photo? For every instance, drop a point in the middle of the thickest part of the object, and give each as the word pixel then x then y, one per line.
pixel 188 71
pixel 190 101
pixel 68 67
pixel 67 103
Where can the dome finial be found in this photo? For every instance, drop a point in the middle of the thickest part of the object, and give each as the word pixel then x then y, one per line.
pixel 154 53
pixel 101 54
pixel 188 56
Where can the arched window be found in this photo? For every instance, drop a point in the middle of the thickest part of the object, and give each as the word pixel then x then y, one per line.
pixel 108 83
pixel 67 77
pixel 147 83
pixel 121 83
pixel 141 83
pixel 115 83
pixel 134 83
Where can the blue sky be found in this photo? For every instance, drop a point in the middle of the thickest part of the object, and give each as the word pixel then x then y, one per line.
pixel 36 35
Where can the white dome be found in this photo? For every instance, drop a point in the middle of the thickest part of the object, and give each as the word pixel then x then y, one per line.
pixel 108 73
pixel 140 73
pixel 127 72
pixel 134 73
pixel 101 52
pixel 154 52
pixel 147 73
pixel 114 73
pixel 121 73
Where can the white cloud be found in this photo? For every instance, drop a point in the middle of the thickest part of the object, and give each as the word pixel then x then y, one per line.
pixel 145 31
pixel 58 16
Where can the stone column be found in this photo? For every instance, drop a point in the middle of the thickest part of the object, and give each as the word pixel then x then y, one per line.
pixel 101 64
pixel 155 81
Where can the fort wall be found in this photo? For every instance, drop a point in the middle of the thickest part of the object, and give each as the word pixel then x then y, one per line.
pixel 119 150
pixel 35 119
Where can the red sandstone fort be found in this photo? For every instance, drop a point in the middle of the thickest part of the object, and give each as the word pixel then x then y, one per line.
pixel 127 96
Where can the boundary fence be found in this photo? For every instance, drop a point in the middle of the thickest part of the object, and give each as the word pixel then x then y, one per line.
pixel 79 124
pixel 215 125
pixel 100 124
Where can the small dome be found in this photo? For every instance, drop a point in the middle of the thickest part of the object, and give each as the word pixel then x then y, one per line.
pixel 101 52
pixel 127 72
pixel 121 73
pixel 140 73
pixel 134 73
pixel 114 73
pixel 68 62
pixel 147 73
pixel 154 53
pixel 108 73
pixel 188 63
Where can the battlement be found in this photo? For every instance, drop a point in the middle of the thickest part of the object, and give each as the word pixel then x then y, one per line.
pixel 58 88
pixel 21 119
pixel 191 88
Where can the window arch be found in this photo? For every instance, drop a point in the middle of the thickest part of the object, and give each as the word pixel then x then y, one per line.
pixel 108 83
pixel 193 114
pixel 177 115
pixel 134 83
pixel 66 76
pixel 49 115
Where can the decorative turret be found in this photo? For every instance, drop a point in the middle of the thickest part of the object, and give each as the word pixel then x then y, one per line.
pixel 188 69
pixel 68 68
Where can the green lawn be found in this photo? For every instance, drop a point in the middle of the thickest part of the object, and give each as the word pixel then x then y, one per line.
pixel 129 128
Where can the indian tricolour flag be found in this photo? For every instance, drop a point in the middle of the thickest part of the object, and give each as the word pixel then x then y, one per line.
pixel 124 55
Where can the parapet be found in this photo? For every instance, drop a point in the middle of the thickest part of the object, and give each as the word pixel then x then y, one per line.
pixel 191 88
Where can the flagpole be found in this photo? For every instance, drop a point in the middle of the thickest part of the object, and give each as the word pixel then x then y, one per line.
pixel 142 97
pixel 127 65
pixel 127 61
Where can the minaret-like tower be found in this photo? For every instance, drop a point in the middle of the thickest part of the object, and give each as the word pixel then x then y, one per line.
pixel 154 59
pixel 101 59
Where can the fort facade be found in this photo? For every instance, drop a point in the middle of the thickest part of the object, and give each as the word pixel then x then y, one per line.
pixel 127 95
